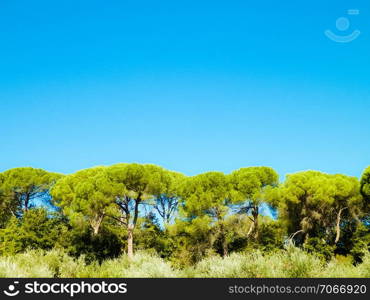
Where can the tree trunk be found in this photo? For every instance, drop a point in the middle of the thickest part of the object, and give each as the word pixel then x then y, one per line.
pixel 250 229
pixel 95 230
pixel 95 223
pixel 254 226
pixel 130 241
pixel 338 225
pixel 225 251
pixel 224 248
pixel 255 220
pixel 26 202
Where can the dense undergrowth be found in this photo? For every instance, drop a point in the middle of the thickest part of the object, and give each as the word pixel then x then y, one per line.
pixel 290 262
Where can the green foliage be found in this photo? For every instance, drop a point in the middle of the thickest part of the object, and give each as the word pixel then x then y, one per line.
pixel 166 200
pixel 365 184
pixel 5 207
pixel 36 230
pixel 139 184
pixel 312 201
pixel 288 263
pixel 207 198
pixel 151 238
pixel 249 190
pixel 360 242
pixel 39 263
pixel 19 188
pixel 79 241
pixel 192 240
pixel 271 235
pixel 206 194
pixel 248 183
pixel 142 265
pixel 209 225
pixel 89 194
pixel 319 248
pixel 140 181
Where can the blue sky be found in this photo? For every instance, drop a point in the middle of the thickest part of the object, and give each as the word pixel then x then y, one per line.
pixel 190 85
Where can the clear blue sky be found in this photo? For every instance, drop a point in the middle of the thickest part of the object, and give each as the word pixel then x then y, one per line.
pixel 190 85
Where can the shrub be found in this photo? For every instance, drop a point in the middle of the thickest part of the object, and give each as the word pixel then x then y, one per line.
pixel 290 262
pixel 143 265
pixel 26 264
pixel 286 263
pixel 39 263
pixel 36 230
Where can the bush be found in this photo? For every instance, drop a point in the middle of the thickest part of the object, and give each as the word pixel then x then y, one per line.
pixel 36 230
pixel 143 265
pixel 291 262
pixel 286 263
pixel 319 247
pixel 39 263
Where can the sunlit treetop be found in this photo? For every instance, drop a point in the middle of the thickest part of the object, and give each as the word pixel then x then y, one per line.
pixel 21 186
pixel 365 184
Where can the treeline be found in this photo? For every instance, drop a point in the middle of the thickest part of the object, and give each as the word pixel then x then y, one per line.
pixel 103 212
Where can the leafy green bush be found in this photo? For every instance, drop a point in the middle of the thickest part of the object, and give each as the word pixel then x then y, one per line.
pixel 290 262
pixel 36 230
pixel 287 263
pixel 319 247
pixel 364 267
pixel 39 263
pixel 143 265
pixel 28 264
